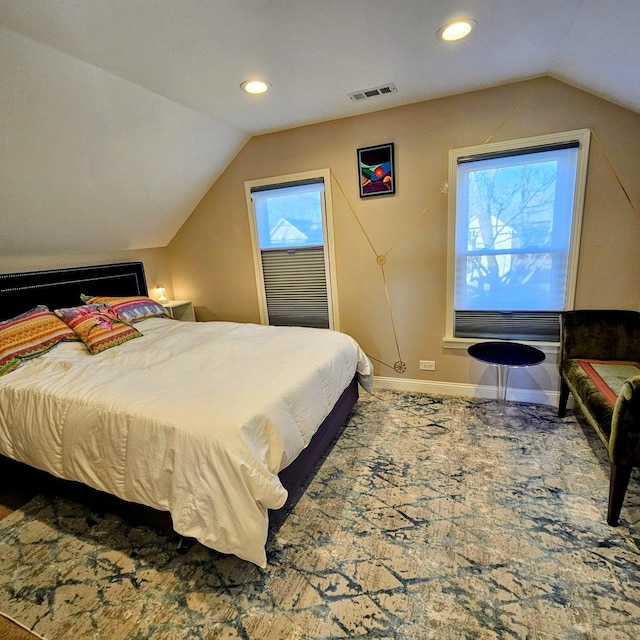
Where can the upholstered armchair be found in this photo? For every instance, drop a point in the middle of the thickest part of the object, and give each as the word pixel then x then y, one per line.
pixel 600 366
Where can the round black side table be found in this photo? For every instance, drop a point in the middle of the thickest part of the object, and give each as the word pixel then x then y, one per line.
pixel 505 356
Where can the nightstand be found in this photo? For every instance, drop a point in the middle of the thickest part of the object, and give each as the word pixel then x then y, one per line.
pixel 180 310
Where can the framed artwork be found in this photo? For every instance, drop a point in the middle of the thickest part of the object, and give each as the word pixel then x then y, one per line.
pixel 376 170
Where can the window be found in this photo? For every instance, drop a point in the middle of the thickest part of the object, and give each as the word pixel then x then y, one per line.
pixel 291 231
pixel 515 215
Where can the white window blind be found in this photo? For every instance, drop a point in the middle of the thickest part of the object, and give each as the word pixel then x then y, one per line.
pixel 513 235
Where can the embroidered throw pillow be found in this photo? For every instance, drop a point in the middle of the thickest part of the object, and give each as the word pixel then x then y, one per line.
pixel 98 326
pixel 29 335
pixel 130 308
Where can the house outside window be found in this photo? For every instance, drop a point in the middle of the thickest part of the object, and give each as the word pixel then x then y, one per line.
pixel 292 236
pixel 515 213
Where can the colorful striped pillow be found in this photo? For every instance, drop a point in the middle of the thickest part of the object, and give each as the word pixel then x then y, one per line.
pixel 98 326
pixel 29 335
pixel 130 308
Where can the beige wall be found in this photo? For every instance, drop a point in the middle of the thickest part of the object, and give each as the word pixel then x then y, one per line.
pixel 211 261
pixel 156 263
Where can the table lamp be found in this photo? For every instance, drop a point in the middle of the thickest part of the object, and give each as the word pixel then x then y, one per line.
pixel 161 293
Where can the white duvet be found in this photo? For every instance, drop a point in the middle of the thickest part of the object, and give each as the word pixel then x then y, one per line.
pixel 192 418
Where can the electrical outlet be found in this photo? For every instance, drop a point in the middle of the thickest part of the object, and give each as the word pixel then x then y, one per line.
pixel 427 365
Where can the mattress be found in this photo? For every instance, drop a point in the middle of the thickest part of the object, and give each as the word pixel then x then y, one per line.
pixel 192 418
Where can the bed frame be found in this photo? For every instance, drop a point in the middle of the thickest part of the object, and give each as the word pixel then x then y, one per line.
pixel 56 288
pixel 59 288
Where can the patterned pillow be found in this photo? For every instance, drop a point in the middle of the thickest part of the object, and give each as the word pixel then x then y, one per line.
pixel 30 334
pixel 131 308
pixel 98 326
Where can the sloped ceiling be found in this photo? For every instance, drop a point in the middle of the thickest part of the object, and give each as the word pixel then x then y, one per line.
pixel 116 116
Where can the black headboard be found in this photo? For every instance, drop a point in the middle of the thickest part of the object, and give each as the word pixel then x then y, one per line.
pixel 57 288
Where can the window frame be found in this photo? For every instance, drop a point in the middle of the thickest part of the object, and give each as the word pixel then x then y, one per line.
pixel 327 234
pixel 582 136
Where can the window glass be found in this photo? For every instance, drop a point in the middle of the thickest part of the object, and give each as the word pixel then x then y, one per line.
pixel 514 231
pixel 289 217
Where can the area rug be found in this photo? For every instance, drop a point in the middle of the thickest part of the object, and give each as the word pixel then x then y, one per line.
pixel 442 518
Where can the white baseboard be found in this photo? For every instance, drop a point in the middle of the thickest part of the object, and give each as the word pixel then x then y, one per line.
pixel 537 396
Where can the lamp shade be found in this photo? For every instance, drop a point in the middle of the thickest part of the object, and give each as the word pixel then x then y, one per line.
pixel 161 293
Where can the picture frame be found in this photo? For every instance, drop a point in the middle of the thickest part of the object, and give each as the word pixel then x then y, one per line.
pixel 376 170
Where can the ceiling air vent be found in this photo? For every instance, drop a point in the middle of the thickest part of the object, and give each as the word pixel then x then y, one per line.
pixel 382 90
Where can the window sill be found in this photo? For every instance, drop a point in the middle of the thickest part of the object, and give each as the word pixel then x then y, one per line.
pixel 551 348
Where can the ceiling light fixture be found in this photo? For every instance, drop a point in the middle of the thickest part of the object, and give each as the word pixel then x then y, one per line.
pixel 255 87
pixel 456 29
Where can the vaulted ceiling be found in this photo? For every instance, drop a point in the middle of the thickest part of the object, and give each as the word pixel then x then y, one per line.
pixel 116 116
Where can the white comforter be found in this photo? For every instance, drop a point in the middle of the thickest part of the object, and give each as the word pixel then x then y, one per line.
pixel 193 418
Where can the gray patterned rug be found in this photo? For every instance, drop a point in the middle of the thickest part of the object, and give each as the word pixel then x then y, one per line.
pixel 432 518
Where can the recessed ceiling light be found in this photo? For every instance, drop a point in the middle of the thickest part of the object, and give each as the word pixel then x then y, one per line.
pixel 456 30
pixel 255 86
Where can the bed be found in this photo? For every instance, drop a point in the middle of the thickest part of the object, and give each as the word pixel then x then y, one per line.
pixel 217 423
